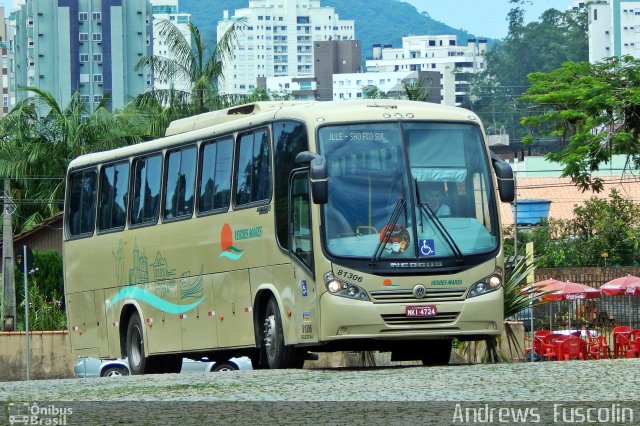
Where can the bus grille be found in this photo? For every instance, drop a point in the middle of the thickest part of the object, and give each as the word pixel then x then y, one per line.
pixel 406 296
pixel 401 319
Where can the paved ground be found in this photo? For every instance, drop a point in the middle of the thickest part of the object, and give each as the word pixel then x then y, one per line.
pixel 333 396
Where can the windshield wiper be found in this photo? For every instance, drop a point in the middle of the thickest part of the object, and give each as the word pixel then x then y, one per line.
pixel 388 230
pixel 438 225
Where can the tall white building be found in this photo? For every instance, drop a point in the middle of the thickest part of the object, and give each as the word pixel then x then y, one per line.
pixel 167 10
pixel 278 40
pixel 434 53
pixel 614 29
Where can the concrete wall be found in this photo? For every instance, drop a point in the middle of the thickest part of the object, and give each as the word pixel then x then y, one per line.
pixel 51 356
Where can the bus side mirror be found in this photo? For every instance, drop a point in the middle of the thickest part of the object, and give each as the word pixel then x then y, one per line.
pixel 318 175
pixel 506 183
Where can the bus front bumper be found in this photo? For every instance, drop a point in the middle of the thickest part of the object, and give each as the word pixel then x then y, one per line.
pixel 347 319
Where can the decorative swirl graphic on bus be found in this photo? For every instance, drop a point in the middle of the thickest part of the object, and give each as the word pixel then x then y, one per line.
pixel 137 293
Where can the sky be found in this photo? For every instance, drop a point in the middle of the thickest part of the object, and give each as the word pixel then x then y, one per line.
pixel 483 18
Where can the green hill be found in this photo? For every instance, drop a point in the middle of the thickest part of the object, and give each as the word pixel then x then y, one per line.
pixel 376 21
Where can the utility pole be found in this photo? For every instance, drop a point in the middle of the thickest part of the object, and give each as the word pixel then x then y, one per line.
pixel 9 289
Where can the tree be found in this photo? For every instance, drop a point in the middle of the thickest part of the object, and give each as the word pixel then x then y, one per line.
pixel 40 138
pixel 600 226
pixel 594 109
pixel 413 90
pixel 535 47
pixel 194 63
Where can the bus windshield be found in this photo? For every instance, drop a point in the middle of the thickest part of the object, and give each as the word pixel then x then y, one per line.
pixel 438 173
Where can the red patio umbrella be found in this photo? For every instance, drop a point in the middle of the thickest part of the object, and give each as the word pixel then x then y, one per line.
pixel 633 290
pixel 566 290
pixel 619 286
pixel 628 285
pixel 555 290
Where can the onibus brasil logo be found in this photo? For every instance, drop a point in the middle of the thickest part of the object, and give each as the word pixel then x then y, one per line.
pixel 227 236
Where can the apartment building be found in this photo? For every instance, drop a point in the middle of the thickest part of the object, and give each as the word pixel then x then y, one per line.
pixel 278 41
pixel 6 50
pixel 350 86
pixel 88 46
pixel 440 53
pixel 614 29
pixel 168 10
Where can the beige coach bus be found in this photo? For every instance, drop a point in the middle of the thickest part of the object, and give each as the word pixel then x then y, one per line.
pixel 279 229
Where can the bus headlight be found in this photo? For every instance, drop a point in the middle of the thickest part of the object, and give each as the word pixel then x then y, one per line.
pixel 486 285
pixel 344 289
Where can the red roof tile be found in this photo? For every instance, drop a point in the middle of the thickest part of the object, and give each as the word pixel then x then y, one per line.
pixel 564 195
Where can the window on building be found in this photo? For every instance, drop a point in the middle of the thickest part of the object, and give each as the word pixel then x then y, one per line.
pixel 97 98
pixel 96 16
pixel 97 78
pixel 96 36
pixel 97 57
pixel 83 16
pixel 83 36
pixel 84 98
pixel 84 57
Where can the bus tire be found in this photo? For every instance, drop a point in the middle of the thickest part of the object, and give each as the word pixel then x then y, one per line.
pixel 437 352
pixel 277 353
pixel 135 346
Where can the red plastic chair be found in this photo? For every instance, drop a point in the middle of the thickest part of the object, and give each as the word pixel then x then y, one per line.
pixel 551 347
pixel 621 338
pixel 598 347
pixel 633 344
pixel 541 333
pixel 573 348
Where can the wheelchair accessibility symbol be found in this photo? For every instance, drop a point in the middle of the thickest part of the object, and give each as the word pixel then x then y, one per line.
pixel 427 248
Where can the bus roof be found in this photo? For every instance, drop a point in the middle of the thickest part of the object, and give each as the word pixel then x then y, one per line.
pixel 217 123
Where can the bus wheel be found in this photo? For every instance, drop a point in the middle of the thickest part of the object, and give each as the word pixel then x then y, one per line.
pixel 437 352
pixel 278 354
pixel 135 345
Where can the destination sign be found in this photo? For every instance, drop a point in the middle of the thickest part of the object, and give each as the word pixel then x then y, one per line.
pixel 360 136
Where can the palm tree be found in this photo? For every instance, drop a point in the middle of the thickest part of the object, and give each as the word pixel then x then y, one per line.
pixel 413 90
pixel 195 64
pixel 38 138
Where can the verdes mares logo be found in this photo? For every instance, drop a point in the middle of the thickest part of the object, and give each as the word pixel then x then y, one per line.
pixel 227 236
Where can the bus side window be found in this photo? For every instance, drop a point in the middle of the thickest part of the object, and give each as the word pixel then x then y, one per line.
pixel 145 190
pixel 301 244
pixel 114 180
pixel 215 176
pixel 289 138
pixel 180 181
pixel 253 175
pixel 82 203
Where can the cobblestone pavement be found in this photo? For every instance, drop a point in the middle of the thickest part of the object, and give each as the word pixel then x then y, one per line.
pixel 334 394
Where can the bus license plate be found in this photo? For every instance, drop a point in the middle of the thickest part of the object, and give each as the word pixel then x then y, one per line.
pixel 421 311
